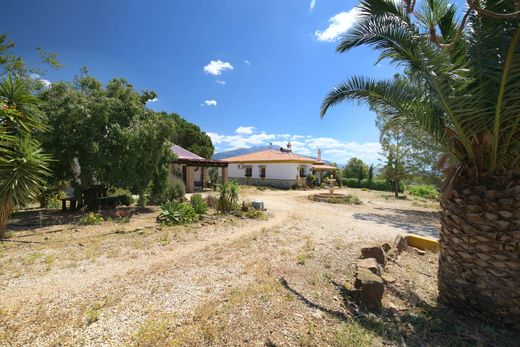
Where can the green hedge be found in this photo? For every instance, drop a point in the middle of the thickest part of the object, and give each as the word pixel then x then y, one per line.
pixel 382 185
pixel 424 191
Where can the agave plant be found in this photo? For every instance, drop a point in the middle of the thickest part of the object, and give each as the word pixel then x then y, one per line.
pixel 23 165
pixel 462 87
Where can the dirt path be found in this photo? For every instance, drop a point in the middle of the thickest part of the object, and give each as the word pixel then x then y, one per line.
pixel 100 300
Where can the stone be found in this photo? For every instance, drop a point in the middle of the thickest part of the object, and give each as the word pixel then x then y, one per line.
pixel 387 278
pixel 400 243
pixel 370 264
pixel 374 252
pixel 491 194
pixel 386 247
pixel 502 225
pixel 506 214
pixel 506 202
pixel 372 289
pixel 491 216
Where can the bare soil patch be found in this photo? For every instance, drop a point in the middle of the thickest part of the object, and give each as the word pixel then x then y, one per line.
pixel 283 281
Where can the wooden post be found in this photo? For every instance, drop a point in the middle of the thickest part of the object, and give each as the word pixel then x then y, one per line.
pixel 224 174
pixel 202 178
pixel 190 179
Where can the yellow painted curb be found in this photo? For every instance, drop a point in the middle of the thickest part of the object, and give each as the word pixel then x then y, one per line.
pixel 423 243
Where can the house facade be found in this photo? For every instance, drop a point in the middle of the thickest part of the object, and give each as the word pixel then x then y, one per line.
pixel 280 168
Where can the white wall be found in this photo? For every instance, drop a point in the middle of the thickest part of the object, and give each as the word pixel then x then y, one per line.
pixel 277 171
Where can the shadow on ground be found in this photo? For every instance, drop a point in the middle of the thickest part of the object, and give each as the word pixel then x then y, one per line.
pixel 42 218
pixel 423 223
pixel 419 325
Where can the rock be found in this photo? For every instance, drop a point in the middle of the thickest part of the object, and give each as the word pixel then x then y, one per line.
pixel 372 289
pixel 370 264
pixel 386 247
pixel 387 278
pixel 506 214
pixel 374 252
pixel 420 251
pixel 502 225
pixel 400 243
pixel 506 202
pixel 491 216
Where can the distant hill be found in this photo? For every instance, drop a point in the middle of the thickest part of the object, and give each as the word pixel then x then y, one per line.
pixel 242 151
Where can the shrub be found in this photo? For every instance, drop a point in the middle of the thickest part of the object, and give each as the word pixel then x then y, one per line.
pixel 125 199
pixel 199 204
pixel 91 218
pixel 424 191
pixel 311 180
pixel 255 214
pixel 212 201
pixel 174 212
pixel 174 191
pixel 228 197
pixel 382 185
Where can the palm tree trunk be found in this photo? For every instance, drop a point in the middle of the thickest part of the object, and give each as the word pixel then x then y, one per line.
pixel 5 212
pixel 479 263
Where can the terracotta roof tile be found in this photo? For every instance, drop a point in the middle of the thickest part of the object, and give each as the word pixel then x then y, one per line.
pixel 269 155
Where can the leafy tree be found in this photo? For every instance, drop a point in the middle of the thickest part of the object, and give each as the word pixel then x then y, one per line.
pixel 189 136
pixel 355 168
pixel 104 134
pixel 462 88
pixel 23 165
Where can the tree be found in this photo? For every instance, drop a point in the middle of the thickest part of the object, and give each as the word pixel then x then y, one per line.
pixel 394 170
pixel 462 88
pixel 23 165
pixel 104 134
pixel 355 168
pixel 189 136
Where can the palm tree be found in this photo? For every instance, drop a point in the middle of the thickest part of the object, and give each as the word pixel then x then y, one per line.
pixel 462 87
pixel 23 166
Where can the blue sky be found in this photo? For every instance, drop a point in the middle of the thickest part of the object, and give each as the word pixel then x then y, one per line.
pixel 247 72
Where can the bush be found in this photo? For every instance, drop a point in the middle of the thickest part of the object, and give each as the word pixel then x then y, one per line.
pixel 125 199
pixel 199 204
pixel 381 185
pixel 311 180
pixel 91 218
pixel 424 191
pixel 174 212
pixel 228 197
pixel 212 201
pixel 174 191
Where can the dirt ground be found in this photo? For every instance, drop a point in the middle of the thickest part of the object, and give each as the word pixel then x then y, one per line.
pixel 225 281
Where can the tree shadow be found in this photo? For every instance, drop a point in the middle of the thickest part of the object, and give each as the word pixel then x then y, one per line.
pixel 420 324
pixel 424 223
pixel 43 218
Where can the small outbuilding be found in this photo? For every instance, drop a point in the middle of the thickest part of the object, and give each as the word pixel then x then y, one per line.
pixel 193 169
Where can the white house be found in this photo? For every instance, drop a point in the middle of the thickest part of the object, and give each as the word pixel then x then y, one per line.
pixel 279 168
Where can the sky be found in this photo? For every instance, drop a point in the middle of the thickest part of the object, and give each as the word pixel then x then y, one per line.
pixel 247 72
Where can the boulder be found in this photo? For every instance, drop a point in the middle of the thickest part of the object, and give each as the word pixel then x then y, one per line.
pixel 372 289
pixel 374 252
pixel 400 243
pixel 370 264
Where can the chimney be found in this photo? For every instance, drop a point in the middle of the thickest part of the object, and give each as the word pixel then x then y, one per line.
pixel 319 154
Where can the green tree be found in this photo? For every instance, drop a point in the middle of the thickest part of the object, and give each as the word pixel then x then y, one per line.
pixel 189 136
pixel 462 88
pixel 23 165
pixel 355 168
pixel 104 134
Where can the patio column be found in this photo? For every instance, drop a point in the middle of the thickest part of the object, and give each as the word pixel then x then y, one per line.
pixel 202 177
pixel 190 179
pixel 224 174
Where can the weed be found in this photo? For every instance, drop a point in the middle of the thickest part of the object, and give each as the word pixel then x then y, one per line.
pixel 174 212
pixel 352 333
pixel 153 332
pixel 301 259
pixel 165 239
pixel 31 259
pixel 93 313
pixel 91 218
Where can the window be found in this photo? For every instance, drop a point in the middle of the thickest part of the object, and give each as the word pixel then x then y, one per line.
pixel 249 172
pixel 302 171
pixel 262 171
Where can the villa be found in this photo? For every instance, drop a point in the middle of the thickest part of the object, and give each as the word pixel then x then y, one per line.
pixel 280 168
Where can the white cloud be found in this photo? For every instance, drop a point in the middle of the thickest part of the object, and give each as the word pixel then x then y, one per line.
pixel 312 5
pixel 153 100
pixel 210 103
pixel 247 62
pixel 45 82
pixel 338 25
pixel 332 149
pixel 215 67
pixel 244 130
pixel 221 82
